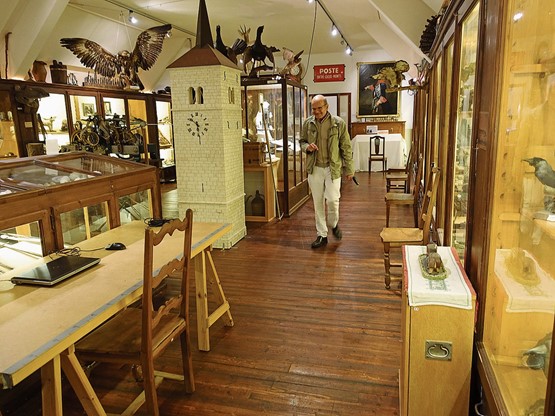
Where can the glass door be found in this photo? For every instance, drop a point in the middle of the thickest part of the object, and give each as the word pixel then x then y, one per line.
pixel 463 130
pixel 520 291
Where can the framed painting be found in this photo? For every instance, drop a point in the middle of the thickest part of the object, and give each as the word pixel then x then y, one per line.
pixel 373 99
pixel 88 109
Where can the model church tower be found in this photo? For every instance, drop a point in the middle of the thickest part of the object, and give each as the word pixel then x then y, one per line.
pixel 206 111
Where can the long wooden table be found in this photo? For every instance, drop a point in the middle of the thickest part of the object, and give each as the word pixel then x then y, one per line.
pixel 39 326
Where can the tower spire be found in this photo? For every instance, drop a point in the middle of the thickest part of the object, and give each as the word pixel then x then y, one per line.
pixel 204 34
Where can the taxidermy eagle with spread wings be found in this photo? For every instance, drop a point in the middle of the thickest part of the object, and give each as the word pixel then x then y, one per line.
pixel 124 64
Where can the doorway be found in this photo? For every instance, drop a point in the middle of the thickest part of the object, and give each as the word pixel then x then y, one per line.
pixel 339 105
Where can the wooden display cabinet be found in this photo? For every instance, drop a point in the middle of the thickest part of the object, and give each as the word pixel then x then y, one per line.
pixel 47 202
pixel 67 106
pixel 284 105
pixel 258 181
pixel 437 333
pixel 359 127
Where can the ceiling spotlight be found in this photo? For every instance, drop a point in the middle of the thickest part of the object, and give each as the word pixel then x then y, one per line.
pixel 310 1
pixel 131 18
pixel 348 50
pixel 333 30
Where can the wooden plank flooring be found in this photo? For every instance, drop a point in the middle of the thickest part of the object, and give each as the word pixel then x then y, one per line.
pixel 316 332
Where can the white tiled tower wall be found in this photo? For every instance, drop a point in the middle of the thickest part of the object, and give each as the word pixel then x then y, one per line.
pixel 210 174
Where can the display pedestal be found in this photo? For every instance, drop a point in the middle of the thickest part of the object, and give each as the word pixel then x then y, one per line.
pixel 437 331
pixel 259 178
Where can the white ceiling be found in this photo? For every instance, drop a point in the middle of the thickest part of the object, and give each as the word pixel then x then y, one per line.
pixel 367 25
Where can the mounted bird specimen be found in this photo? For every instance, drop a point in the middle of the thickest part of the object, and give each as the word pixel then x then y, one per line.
pixel 293 67
pixel 545 174
pixel 232 52
pixel 393 76
pixel 124 65
pixel 257 53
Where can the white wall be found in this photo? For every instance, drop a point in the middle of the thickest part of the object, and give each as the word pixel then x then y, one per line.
pixel 351 80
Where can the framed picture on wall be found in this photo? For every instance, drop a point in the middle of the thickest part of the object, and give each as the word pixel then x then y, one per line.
pixel 88 109
pixel 373 99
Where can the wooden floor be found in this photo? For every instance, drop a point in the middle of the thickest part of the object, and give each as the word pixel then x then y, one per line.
pixel 316 332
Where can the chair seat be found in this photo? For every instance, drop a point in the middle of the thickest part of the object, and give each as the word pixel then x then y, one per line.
pixel 396 176
pixel 399 198
pixel 120 338
pixel 401 236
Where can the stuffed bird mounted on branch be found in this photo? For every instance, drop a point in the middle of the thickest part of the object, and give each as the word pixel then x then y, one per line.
pixel 123 65
pixel 393 75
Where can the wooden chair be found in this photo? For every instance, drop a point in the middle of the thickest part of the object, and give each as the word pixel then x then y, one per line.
pixel 400 179
pixel 412 198
pixel 377 152
pixel 137 336
pixel 397 237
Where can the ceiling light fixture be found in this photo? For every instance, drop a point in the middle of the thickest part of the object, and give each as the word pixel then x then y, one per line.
pixel 131 18
pixel 334 29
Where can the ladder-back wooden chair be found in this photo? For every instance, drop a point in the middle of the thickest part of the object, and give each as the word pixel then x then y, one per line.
pixel 137 336
pixel 412 198
pixel 377 153
pixel 397 237
pixel 399 179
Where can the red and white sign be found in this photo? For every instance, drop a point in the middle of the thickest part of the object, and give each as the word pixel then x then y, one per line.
pixel 329 73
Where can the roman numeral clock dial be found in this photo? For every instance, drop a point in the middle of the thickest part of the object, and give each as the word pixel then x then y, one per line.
pixel 197 125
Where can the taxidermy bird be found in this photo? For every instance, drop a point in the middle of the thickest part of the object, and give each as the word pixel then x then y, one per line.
pixel 543 171
pixel 124 64
pixel 293 61
pixel 258 52
pixel 393 76
pixel 537 357
pixel 236 49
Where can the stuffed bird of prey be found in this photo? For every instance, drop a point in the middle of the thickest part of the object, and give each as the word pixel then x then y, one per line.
pixel 124 64
pixel 393 76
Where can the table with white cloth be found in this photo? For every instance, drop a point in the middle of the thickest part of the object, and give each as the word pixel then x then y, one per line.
pixel 395 151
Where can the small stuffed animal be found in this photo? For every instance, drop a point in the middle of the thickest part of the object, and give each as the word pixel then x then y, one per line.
pixel 434 264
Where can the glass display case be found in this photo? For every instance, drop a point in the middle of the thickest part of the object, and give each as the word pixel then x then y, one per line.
pixel 53 115
pixel 49 201
pixel 8 139
pixel 518 318
pixel 274 109
pixel 463 130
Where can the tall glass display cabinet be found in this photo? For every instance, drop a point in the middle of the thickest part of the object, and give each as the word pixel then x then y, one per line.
pixel 463 130
pixel 515 347
pixel 274 110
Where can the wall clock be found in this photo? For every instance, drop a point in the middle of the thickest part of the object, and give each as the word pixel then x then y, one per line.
pixel 197 125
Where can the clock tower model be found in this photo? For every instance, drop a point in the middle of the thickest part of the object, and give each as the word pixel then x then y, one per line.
pixel 206 109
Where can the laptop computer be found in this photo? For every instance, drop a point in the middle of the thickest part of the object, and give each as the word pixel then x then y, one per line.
pixel 55 271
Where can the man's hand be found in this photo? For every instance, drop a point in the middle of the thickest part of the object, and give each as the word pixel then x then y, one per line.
pixel 350 177
pixel 311 147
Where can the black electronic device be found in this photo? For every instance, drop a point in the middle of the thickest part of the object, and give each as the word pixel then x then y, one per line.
pixel 55 271
pixel 116 246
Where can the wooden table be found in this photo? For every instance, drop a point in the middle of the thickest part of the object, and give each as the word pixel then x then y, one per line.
pixel 39 326
pixel 395 150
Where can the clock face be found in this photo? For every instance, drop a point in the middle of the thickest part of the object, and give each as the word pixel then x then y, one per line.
pixel 197 125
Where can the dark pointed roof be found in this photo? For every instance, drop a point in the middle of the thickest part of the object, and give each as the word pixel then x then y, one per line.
pixel 204 33
pixel 203 53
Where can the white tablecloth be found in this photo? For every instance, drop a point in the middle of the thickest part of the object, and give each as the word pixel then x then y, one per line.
pixel 395 151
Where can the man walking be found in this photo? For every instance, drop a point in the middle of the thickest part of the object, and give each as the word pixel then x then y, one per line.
pixel 326 141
